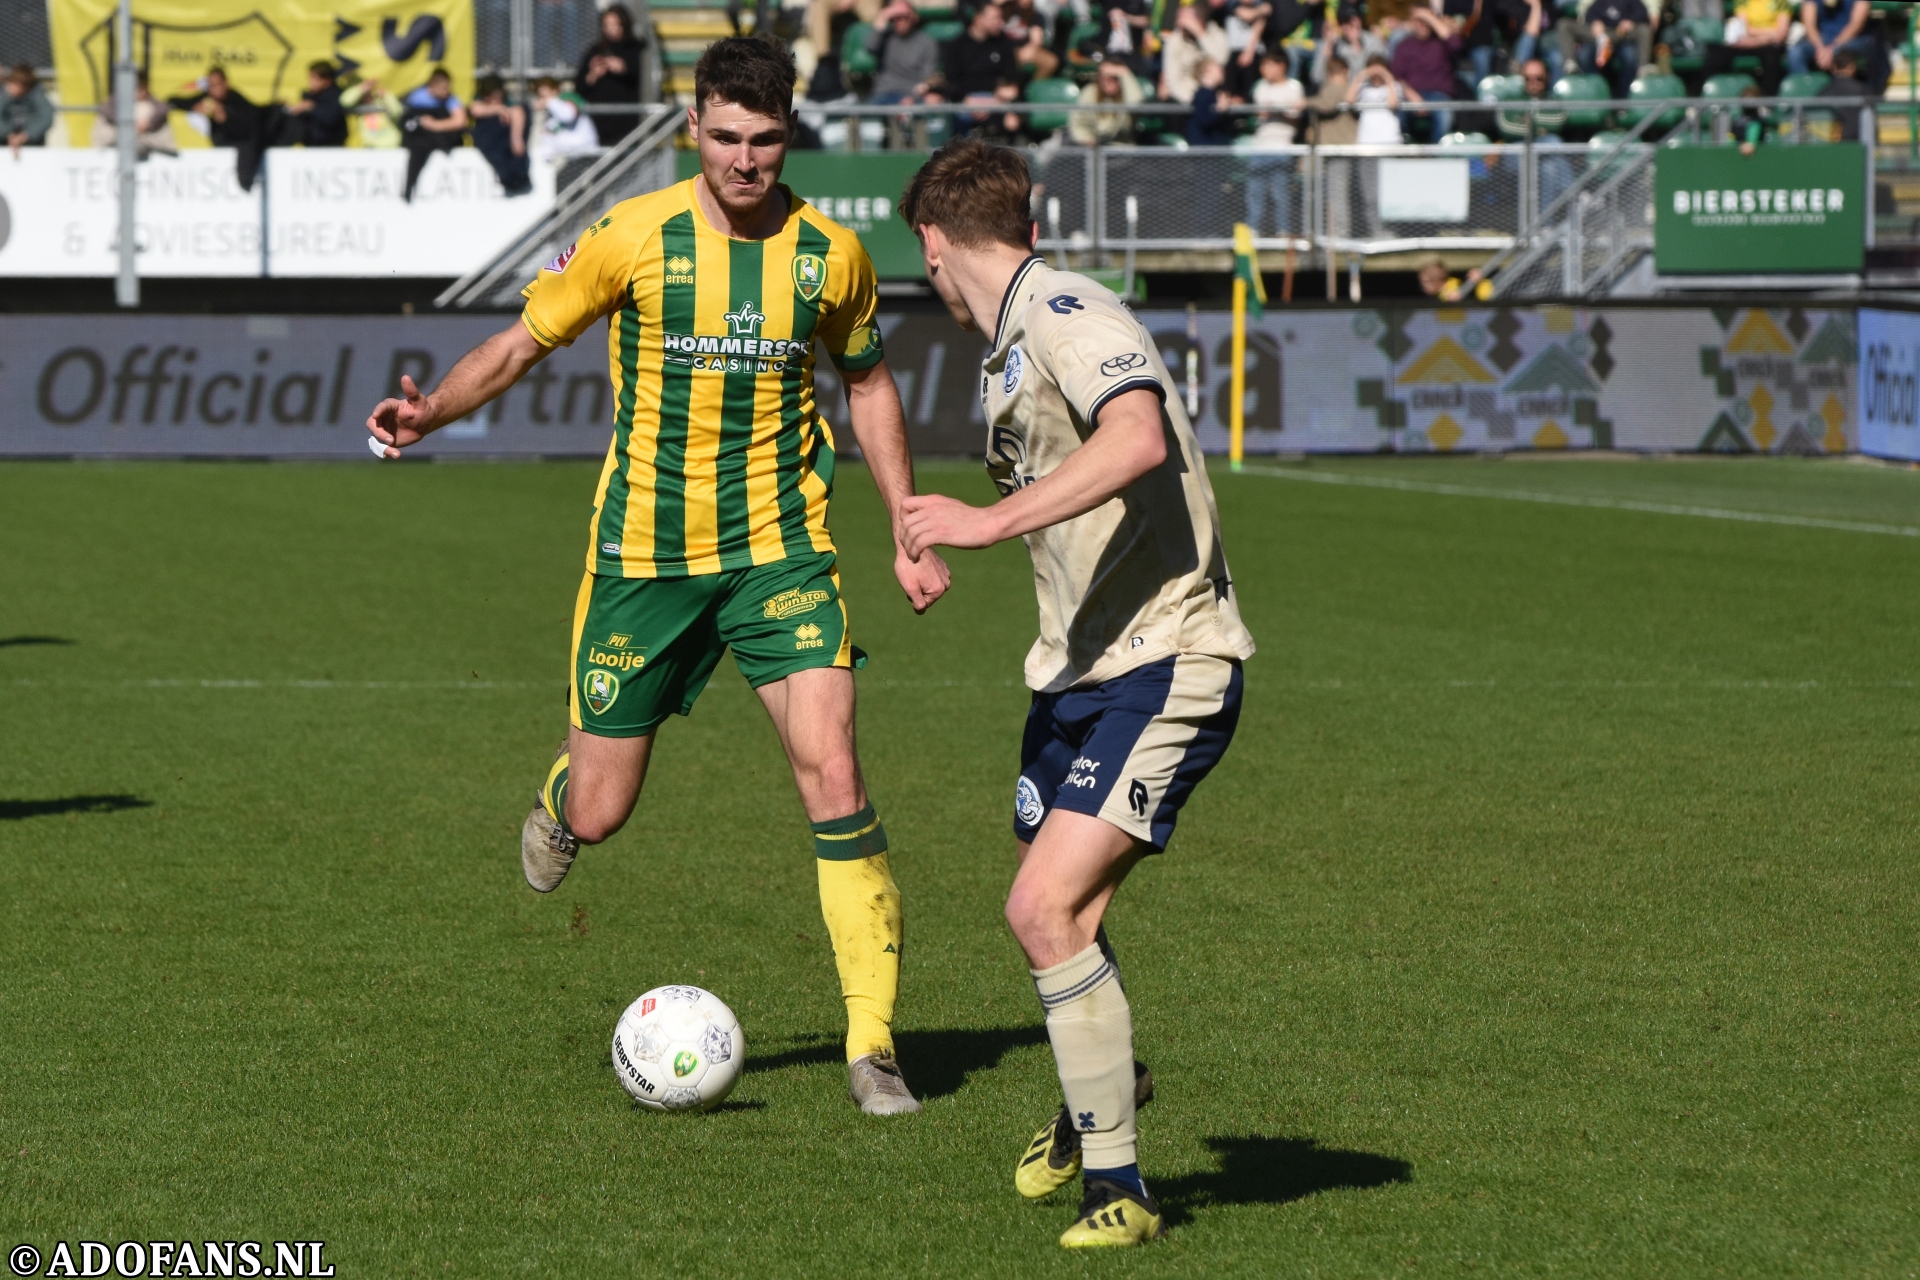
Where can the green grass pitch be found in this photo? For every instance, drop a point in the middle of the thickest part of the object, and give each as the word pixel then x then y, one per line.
pixel 1553 914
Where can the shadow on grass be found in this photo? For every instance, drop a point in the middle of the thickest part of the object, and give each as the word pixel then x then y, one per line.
pixel 936 1063
pixel 14 810
pixel 1262 1170
pixel 8 642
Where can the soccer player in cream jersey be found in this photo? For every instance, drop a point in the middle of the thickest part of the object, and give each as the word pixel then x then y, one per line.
pixel 1136 674
pixel 709 525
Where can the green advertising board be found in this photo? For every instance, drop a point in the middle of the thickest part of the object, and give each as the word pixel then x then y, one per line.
pixel 1781 209
pixel 861 192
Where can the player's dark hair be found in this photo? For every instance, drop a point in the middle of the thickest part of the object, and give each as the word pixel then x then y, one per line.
pixel 748 72
pixel 976 193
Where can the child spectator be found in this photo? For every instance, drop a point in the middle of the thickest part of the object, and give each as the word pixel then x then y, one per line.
pixel 1333 127
pixel 150 130
pixel 1270 178
pixel 500 134
pixel 25 114
pixel 1209 126
pixel 377 112
pixel 221 112
pixel 559 127
pixel 435 120
pixel 317 119
pixel 1377 94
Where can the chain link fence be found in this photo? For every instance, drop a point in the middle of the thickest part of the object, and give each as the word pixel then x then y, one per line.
pixel 23 34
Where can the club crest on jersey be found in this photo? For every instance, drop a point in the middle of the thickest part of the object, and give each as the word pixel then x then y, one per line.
pixel 809 275
pixel 599 690
pixel 565 256
pixel 1016 366
pixel 1026 803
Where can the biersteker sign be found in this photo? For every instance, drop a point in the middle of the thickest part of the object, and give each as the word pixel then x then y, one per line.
pixel 1781 209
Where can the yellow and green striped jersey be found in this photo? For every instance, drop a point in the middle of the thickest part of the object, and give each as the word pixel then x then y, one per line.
pixel 719 460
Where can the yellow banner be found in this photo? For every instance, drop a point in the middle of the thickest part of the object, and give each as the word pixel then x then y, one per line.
pixel 265 50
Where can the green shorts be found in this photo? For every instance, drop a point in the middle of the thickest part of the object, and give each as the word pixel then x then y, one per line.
pixel 644 648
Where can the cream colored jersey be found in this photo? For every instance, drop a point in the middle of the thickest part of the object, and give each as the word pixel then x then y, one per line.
pixel 1142 576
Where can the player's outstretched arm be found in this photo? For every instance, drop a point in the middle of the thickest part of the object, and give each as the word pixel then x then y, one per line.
pixel 880 425
pixel 1129 440
pixel 482 374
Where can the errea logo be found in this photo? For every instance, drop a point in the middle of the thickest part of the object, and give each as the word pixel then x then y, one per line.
pixel 679 269
pixel 807 636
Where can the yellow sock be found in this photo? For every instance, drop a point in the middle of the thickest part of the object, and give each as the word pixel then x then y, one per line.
pixel 553 795
pixel 861 905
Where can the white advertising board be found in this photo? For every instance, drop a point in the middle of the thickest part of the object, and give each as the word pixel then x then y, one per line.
pixel 1889 388
pixel 326 213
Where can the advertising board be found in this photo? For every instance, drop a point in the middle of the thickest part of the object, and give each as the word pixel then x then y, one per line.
pixel 858 190
pixel 1781 209
pixel 1890 384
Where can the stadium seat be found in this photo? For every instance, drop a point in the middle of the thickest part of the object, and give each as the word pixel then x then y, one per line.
pixel 1655 85
pixel 1819 126
pixel 1693 35
pixel 1512 124
pixel 930 14
pixel 1593 90
pixel 1051 92
pixel 944 30
pixel 1730 85
pixel 1807 84
pixel 1459 139
pixel 854 58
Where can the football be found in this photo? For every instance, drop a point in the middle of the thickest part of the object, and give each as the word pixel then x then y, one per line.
pixel 678 1048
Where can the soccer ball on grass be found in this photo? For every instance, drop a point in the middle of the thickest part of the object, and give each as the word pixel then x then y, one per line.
pixel 678 1049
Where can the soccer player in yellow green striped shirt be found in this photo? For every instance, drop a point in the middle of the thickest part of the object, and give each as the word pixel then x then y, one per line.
pixel 709 524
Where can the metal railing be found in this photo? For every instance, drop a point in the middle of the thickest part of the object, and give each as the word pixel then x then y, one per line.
pixel 1553 218
pixel 641 162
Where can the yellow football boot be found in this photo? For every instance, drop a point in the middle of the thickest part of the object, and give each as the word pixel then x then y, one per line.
pixel 1050 1161
pixel 1113 1216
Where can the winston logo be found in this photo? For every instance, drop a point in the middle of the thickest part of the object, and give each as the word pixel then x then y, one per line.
pixel 789 604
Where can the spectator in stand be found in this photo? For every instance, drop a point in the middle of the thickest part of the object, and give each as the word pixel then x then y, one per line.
pixel 1757 29
pixel 1333 127
pixel 1192 42
pixel 1561 34
pixel 1112 84
pixel 1270 178
pixel 1125 39
pixel 25 115
pixel 1846 83
pixel 500 134
pixel 1209 126
pixel 377 111
pixel 981 57
pixel 1833 27
pixel 1349 43
pixel 1615 28
pixel 1519 24
pixel 317 119
pixel 1556 171
pixel 609 73
pixel 224 115
pixel 1246 26
pixel 1028 28
pixel 559 127
pixel 1423 64
pixel 1474 25
pixel 828 22
pixel 1377 95
pixel 435 121
pixel 151 133
pixel 1007 128
pixel 908 58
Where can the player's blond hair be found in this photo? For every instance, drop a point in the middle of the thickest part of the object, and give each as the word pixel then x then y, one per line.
pixel 976 193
